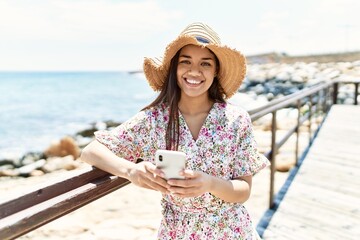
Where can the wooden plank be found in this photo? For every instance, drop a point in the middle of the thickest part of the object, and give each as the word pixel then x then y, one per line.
pixel 323 201
pixel 49 190
pixel 57 202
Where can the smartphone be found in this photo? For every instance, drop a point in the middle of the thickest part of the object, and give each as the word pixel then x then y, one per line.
pixel 171 163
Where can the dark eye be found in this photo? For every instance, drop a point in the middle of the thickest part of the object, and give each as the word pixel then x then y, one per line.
pixel 185 62
pixel 205 64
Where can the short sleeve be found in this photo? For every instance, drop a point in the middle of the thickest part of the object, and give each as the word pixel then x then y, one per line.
pixel 249 160
pixel 129 139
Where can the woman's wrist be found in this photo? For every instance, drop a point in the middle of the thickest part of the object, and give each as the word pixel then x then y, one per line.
pixel 215 184
pixel 126 169
pixel 237 190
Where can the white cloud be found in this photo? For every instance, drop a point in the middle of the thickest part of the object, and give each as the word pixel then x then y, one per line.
pixel 308 27
pixel 78 34
pixel 117 34
pixel 73 20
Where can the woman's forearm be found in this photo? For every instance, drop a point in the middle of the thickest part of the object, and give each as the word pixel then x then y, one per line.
pixel 237 190
pixel 100 156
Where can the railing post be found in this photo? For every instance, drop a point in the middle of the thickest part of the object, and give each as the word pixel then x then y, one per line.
pixel 297 132
pixel 320 101
pixel 273 159
pixel 356 93
pixel 325 100
pixel 330 101
pixel 310 116
pixel 335 92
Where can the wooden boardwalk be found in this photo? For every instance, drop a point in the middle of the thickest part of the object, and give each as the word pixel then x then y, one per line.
pixel 323 201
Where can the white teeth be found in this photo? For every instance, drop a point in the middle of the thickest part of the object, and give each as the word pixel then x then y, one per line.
pixel 193 81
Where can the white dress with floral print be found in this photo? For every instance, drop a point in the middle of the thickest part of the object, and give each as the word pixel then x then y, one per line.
pixel 225 148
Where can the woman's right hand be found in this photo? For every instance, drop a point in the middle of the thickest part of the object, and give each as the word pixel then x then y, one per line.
pixel 143 174
pixel 146 175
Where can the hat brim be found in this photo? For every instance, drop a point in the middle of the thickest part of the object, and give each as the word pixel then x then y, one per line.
pixel 231 72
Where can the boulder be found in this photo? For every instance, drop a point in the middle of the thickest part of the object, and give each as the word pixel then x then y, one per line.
pixel 66 146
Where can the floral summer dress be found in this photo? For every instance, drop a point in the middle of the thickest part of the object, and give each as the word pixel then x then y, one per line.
pixel 224 148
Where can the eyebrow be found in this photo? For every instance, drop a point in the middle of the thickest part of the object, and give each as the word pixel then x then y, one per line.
pixel 187 56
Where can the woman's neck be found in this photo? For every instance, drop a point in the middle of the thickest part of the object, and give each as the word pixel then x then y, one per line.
pixel 190 106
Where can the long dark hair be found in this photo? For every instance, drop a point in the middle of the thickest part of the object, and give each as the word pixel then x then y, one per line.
pixel 170 94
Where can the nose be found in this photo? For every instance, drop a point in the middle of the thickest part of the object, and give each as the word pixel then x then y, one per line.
pixel 194 72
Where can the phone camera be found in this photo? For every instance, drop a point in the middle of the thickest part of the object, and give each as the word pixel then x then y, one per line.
pixel 160 158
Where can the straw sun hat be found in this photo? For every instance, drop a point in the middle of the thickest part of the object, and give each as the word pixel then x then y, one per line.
pixel 232 62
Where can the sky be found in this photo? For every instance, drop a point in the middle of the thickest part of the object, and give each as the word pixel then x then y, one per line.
pixel 116 35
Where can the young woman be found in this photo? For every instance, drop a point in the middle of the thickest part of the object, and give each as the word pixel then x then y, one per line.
pixel 191 115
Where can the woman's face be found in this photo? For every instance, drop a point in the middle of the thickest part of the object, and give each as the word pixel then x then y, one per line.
pixel 196 71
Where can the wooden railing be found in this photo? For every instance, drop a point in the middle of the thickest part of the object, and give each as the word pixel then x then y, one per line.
pixel 41 205
pixel 318 99
pixel 298 100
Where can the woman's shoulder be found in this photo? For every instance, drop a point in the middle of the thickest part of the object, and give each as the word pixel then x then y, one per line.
pixel 151 114
pixel 146 116
pixel 231 111
pixel 154 111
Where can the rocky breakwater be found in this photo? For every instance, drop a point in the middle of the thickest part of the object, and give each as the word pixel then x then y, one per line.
pixel 269 81
pixel 265 82
pixel 60 155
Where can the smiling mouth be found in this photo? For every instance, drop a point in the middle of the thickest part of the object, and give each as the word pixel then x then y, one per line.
pixel 193 81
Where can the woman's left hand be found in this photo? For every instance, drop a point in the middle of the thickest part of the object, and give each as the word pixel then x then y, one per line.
pixel 195 184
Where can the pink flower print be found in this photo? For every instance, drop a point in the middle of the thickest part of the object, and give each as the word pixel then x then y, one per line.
pixel 221 149
pixel 225 237
pixel 221 225
pixel 172 234
pixel 229 136
pixel 205 132
pixel 194 236
pixel 155 114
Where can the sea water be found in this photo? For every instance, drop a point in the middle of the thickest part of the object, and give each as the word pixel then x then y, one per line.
pixel 38 108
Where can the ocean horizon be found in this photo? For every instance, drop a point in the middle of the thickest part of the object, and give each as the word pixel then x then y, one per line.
pixel 38 108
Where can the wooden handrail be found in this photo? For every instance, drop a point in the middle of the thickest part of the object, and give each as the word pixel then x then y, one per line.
pixel 286 101
pixel 276 144
pixel 25 213
pixel 41 205
pixel 297 99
